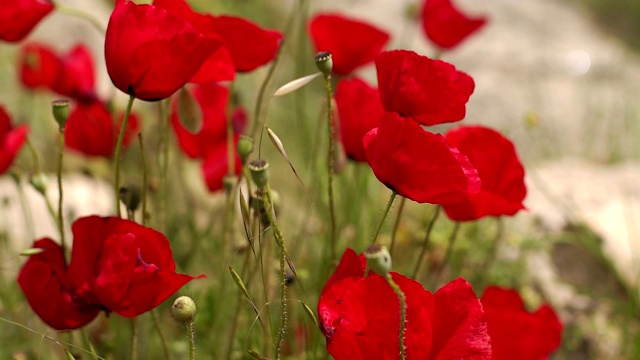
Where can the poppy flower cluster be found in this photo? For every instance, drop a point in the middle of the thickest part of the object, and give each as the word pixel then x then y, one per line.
pixel 409 160
pixel 445 25
pixel 143 41
pixel 19 17
pixel 72 75
pixel 515 332
pixel 116 265
pixel 359 317
pixel 209 142
pixel 11 140
pixel 343 38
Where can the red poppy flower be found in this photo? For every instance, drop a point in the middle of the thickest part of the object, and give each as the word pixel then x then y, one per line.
pixel 430 91
pixel 39 66
pixel 216 164
pixel 151 53
pixel 352 43
pixel 359 111
pixel 360 317
pixel 19 17
pixel 90 130
pixel 219 66
pixel 76 78
pixel 515 332
pixel 121 265
pixel 499 168
pixel 248 44
pixel 445 25
pixel 44 282
pixel 417 164
pixel 11 140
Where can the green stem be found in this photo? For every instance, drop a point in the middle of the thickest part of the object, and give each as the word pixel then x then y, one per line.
pixel 425 243
pixel 163 340
pixel 144 181
pixel 403 313
pixel 330 150
pixel 396 225
pixel 257 114
pixel 63 243
pixel 192 341
pixel 266 198
pixel 81 14
pixel 38 171
pixel 384 215
pixel 449 251
pixel 116 176
pixel 493 251
pixel 134 339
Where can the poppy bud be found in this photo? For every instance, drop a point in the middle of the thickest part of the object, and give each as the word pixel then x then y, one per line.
pixel 324 62
pixel 130 196
pixel 60 109
pixel 183 310
pixel 245 147
pixel 378 259
pixel 259 172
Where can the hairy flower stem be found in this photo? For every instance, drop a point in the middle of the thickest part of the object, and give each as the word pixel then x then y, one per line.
pixel 330 151
pixel 384 216
pixel 396 225
pixel 63 243
pixel 116 175
pixel 192 340
pixel 425 243
pixel 266 198
pixel 403 312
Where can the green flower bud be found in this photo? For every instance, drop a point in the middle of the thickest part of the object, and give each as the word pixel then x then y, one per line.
pixel 259 172
pixel 324 62
pixel 378 259
pixel 183 310
pixel 60 109
pixel 245 147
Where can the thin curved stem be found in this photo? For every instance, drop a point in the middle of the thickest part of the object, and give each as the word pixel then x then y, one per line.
pixel 384 215
pixel 257 122
pixel 63 243
pixel 396 225
pixel 425 243
pixel 163 340
pixel 403 313
pixel 330 150
pixel 82 15
pixel 116 176
pixel 448 252
pixel 144 183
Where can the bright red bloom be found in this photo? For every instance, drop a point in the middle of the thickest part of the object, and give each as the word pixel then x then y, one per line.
pixel 44 282
pixel 90 130
pixel 19 17
pixel 151 53
pixel 71 75
pixel 124 266
pixel 499 168
pixel 417 164
pixel 445 25
pixel 248 44
pixel 430 91
pixel 11 140
pixel 515 332
pixel 360 317
pixel 359 110
pixel 352 43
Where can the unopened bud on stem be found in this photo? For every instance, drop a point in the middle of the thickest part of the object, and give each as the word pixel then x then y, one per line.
pixel 324 62
pixel 60 109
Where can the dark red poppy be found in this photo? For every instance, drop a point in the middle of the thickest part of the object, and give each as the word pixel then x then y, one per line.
pixel 517 333
pixel 417 164
pixel 359 110
pixel 352 43
pixel 249 45
pixel 39 66
pixel 44 282
pixel 215 164
pixel 445 25
pixel 19 17
pixel 360 317
pixel 219 66
pixel 90 130
pixel 151 53
pixel 121 265
pixel 11 140
pixel 76 78
pixel 430 91
pixel 499 168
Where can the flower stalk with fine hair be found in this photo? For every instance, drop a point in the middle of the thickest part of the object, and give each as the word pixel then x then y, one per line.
pixel 60 110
